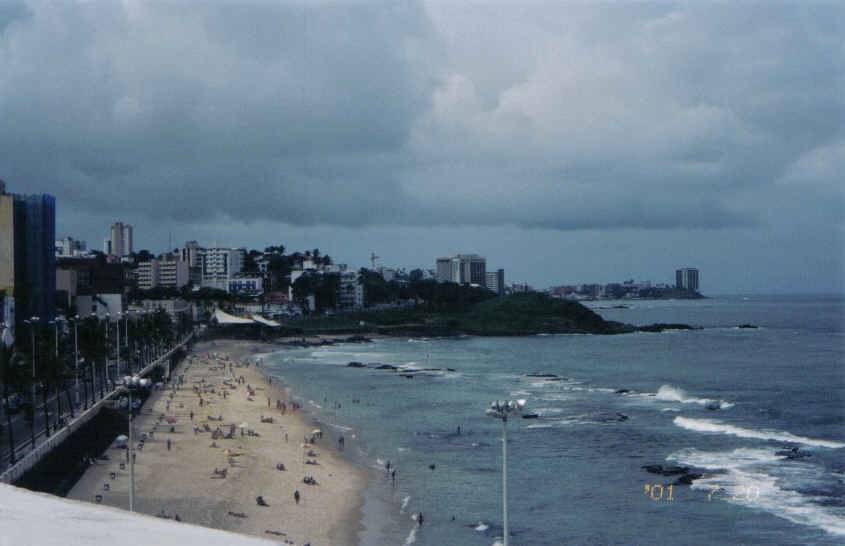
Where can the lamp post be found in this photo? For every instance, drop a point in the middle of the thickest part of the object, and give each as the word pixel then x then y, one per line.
pixel 117 345
pixel 32 322
pixel 500 410
pixel 75 320
pixel 132 383
pixel 106 367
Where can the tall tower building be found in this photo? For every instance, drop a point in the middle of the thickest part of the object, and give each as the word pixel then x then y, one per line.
pixel 687 279
pixel 120 239
pixel 27 256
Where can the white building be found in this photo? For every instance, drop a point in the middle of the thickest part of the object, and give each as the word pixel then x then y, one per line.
pixel 170 273
pixel 70 247
pixel 219 264
pixel 350 291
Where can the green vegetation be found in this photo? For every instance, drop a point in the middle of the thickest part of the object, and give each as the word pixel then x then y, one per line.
pixel 517 314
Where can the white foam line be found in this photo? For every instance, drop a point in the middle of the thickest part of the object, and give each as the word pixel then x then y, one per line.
pixel 709 425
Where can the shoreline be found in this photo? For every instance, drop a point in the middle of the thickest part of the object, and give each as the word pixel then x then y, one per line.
pixel 181 480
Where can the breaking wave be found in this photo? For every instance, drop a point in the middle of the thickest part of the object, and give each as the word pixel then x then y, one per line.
pixel 710 425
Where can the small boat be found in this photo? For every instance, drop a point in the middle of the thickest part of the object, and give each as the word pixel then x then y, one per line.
pixel 530 416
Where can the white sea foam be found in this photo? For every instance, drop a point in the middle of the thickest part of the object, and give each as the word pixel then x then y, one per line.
pixel 669 393
pixel 481 526
pixel 341 427
pixel 404 504
pixel 750 477
pixel 412 536
pixel 710 425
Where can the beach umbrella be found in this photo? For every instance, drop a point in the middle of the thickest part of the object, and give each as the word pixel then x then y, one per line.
pixel 316 431
pixel 243 425
pixel 122 438
pixel 170 419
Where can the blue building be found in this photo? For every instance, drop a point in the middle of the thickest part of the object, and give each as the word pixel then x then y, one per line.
pixel 28 260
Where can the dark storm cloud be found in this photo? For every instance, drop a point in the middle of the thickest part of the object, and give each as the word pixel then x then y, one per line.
pixel 540 115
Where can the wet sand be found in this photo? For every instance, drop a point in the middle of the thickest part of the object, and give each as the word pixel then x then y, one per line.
pixel 181 480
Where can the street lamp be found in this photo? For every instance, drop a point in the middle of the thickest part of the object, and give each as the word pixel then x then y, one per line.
pixel 117 325
pixel 56 322
pixel 32 322
pixel 500 410
pixel 132 383
pixel 75 320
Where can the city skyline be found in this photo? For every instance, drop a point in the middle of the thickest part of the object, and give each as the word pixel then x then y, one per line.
pixel 566 143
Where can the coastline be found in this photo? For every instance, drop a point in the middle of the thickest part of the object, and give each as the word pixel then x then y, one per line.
pixel 181 480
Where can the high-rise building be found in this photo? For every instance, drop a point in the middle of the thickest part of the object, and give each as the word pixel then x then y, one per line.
pixel 167 272
pixel 687 279
pixel 219 264
pixel 27 255
pixel 462 269
pixel 190 253
pixel 496 282
pixel 120 239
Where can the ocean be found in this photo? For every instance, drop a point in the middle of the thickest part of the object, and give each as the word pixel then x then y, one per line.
pixel 721 400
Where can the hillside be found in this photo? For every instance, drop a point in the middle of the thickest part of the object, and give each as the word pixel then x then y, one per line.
pixel 514 315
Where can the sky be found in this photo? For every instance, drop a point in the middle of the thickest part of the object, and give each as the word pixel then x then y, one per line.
pixel 567 142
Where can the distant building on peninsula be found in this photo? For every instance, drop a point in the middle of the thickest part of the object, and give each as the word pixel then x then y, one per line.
pixel 687 279
pixel 462 269
pixel 496 282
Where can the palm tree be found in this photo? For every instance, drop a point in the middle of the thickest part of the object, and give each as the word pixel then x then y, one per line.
pixel 6 357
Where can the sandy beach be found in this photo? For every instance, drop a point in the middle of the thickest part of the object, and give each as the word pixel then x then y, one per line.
pixel 210 448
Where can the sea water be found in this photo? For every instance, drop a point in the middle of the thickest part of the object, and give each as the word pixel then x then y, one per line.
pixel 722 400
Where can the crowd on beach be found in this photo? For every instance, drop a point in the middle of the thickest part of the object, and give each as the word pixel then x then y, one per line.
pixel 210 395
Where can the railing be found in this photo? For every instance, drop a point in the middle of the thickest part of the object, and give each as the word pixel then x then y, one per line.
pixel 71 424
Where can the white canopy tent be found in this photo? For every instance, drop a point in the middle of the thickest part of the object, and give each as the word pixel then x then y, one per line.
pixel 266 322
pixel 224 318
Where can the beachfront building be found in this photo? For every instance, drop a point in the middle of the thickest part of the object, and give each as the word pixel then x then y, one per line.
pixel 462 269
pixel 27 256
pixel 687 279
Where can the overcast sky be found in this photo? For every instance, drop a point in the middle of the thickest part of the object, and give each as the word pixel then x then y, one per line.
pixel 566 142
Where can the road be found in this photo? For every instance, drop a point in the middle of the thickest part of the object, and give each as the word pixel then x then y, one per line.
pixel 22 428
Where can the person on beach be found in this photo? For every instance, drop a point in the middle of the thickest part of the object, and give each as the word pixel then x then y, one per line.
pixel 420 519
pixel 393 477
pixel 296 496
pixel 168 444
